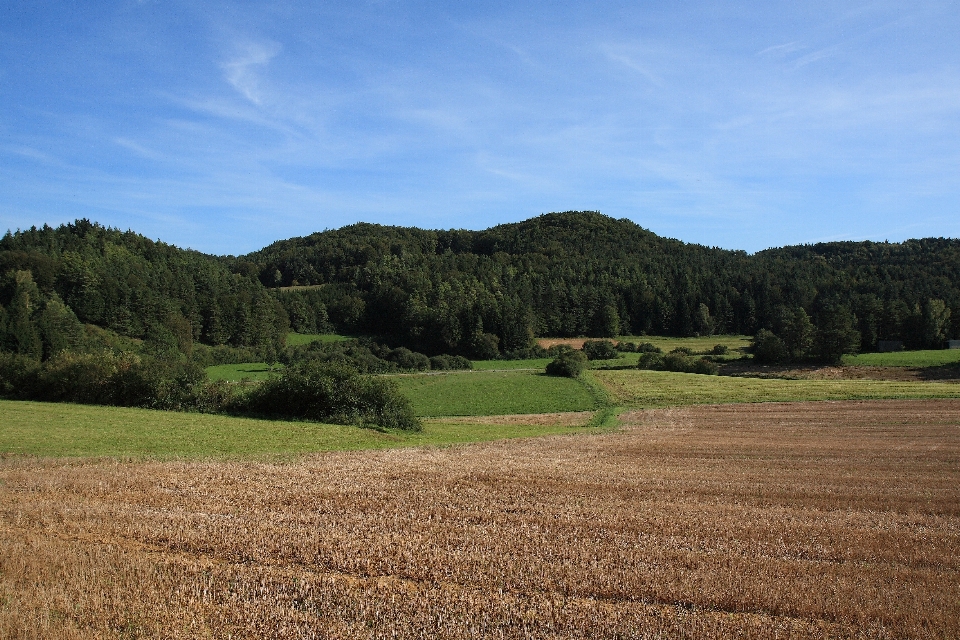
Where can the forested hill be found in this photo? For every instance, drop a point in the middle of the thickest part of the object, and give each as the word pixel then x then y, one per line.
pixel 53 281
pixel 582 273
pixel 475 293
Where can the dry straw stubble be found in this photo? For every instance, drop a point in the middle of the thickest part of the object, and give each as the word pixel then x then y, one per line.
pixel 771 520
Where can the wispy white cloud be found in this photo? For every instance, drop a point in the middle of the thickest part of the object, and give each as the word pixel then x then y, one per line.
pixel 808 124
pixel 629 60
pixel 780 50
pixel 815 56
pixel 242 69
pixel 29 153
pixel 138 149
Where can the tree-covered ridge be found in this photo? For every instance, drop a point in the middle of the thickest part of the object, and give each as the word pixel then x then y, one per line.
pixel 122 281
pixel 475 293
pixel 582 273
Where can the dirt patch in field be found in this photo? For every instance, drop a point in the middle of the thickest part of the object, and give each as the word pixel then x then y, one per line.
pixel 568 419
pixel 573 343
pixel 826 372
pixel 780 520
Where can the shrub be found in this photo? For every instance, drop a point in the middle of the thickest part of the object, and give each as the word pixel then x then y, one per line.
pixel 768 348
pixel 599 350
pixel 648 347
pixel 449 363
pixel 332 393
pixel 485 346
pixel 364 355
pixel 650 360
pixel 17 373
pixel 705 367
pixel 569 363
pixel 409 360
pixel 626 347
pixel 556 350
pixel 678 361
pixel 124 379
pixel 686 351
pixel 719 350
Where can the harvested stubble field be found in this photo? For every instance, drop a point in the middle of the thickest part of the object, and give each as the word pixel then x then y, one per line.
pixel 668 389
pixel 768 520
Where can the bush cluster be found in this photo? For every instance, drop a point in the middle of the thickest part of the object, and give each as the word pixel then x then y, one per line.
pixel 449 363
pixel 310 391
pixel 678 361
pixel 769 348
pixel 332 393
pixel 368 356
pixel 125 379
pixel 569 363
pixel 600 350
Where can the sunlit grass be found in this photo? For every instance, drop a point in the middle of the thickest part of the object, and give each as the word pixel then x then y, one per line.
pixel 253 371
pixel 926 358
pixel 484 393
pixel 297 339
pixel 51 429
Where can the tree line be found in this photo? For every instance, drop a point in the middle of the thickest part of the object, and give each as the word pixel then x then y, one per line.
pixel 479 294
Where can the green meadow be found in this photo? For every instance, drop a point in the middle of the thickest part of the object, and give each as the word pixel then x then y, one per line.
pixel 253 371
pixel 499 365
pixel 51 429
pixel 297 339
pixel 488 393
pixel 445 400
pixel 927 358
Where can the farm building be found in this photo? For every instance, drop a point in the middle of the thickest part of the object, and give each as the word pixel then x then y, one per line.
pixel 953 344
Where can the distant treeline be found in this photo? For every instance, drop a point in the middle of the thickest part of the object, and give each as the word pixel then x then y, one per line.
pixel 480 294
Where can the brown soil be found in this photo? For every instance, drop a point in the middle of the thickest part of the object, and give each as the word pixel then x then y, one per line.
pixel 834 519
pixel 573 343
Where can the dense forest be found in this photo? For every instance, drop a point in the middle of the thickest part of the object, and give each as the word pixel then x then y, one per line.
pixel 585 274
pixel 59 285
pixel 479 294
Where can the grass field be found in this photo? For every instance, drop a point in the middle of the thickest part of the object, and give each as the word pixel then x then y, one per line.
pixel 297 339
pixel 499 365
pixel 837 520
pixel 928 358
pixel 485 393
pixel 254 371
pixel 49 429
pixel 664 389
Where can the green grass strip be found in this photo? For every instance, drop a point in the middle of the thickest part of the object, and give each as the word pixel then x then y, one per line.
pixel 297 339
pixel 927 358
pixel 253 371
pixel 69 430
pixel 491 393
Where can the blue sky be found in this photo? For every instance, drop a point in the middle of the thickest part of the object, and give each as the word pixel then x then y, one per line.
pixel 226 126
